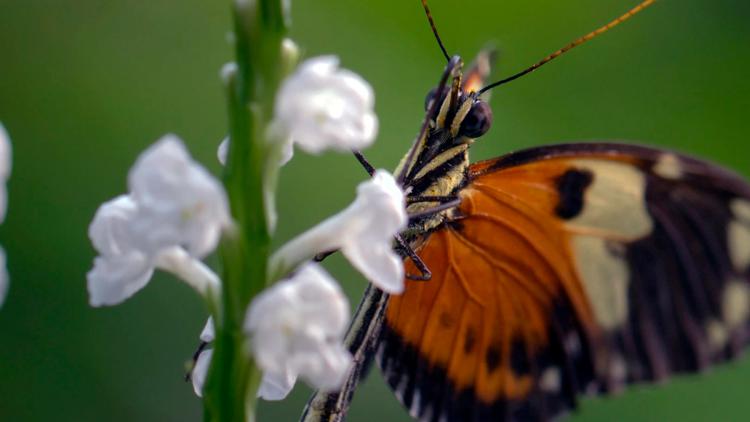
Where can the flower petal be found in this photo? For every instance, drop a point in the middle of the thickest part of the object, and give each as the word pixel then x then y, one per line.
pixel 110 229
pixel 274 387
pixel 5 167
pixel 115 278
pixel 180 203
pixel 209 333
pixel 379 264
pixel 222 151
pixel 200 371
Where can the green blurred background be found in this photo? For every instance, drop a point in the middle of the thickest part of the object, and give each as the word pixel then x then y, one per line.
pixel 85 85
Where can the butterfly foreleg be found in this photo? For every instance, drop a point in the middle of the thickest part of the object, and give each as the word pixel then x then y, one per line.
pixel 201 347
pixel 426 274
pixel 441 199
pixel 448 204
pixel 366 164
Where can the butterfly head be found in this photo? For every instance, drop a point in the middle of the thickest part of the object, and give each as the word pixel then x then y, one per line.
pixel 456 114
pixel 457 108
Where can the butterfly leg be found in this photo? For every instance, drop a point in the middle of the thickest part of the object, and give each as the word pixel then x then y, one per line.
pixel 446 202
pixel 366 164
pixel 450 202
pixel 201 347
pixel 441 199
pixel 426 274
pixel 323 255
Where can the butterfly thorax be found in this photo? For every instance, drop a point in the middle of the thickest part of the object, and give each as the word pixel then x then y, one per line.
pixel 441 176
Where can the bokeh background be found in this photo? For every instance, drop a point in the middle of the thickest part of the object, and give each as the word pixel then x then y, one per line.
pixel 85 85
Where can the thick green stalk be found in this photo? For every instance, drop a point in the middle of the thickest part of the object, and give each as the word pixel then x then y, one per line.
pixel 259 28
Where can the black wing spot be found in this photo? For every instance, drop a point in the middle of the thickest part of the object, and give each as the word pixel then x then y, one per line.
pixel 446 320
pixel 571 187
pixel 519 359
pixel 492 359
pixel 470 340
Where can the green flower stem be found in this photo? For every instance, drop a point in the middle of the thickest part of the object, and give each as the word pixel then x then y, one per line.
pixel 259 28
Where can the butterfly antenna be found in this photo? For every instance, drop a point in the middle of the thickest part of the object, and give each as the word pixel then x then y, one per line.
pixel 434 30
pixel 593 34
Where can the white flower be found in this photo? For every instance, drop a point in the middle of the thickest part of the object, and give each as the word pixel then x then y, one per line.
pixel 363 231
pixel 121 269
pixel 110 230
pixel 321 106
pixel 172 217
pixel 274 387
pixel 179 202
pixel 296 329
pixel 271 387
pixel 5 165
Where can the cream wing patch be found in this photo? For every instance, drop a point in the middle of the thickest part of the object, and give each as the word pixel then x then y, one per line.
pixel 668 166
pixel 718 336
pixel 615 204
pixel 614 213
pixel 735 303
pixel 741 209
pixel 738 235
pixel 605 278
pixel 550 381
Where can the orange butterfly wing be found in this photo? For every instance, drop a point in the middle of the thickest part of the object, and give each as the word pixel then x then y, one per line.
pixel 571 269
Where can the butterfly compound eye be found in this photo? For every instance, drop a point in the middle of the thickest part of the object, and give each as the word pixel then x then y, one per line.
pixel 477 121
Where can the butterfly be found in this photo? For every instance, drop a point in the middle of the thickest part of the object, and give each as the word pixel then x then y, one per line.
pixel 552 272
